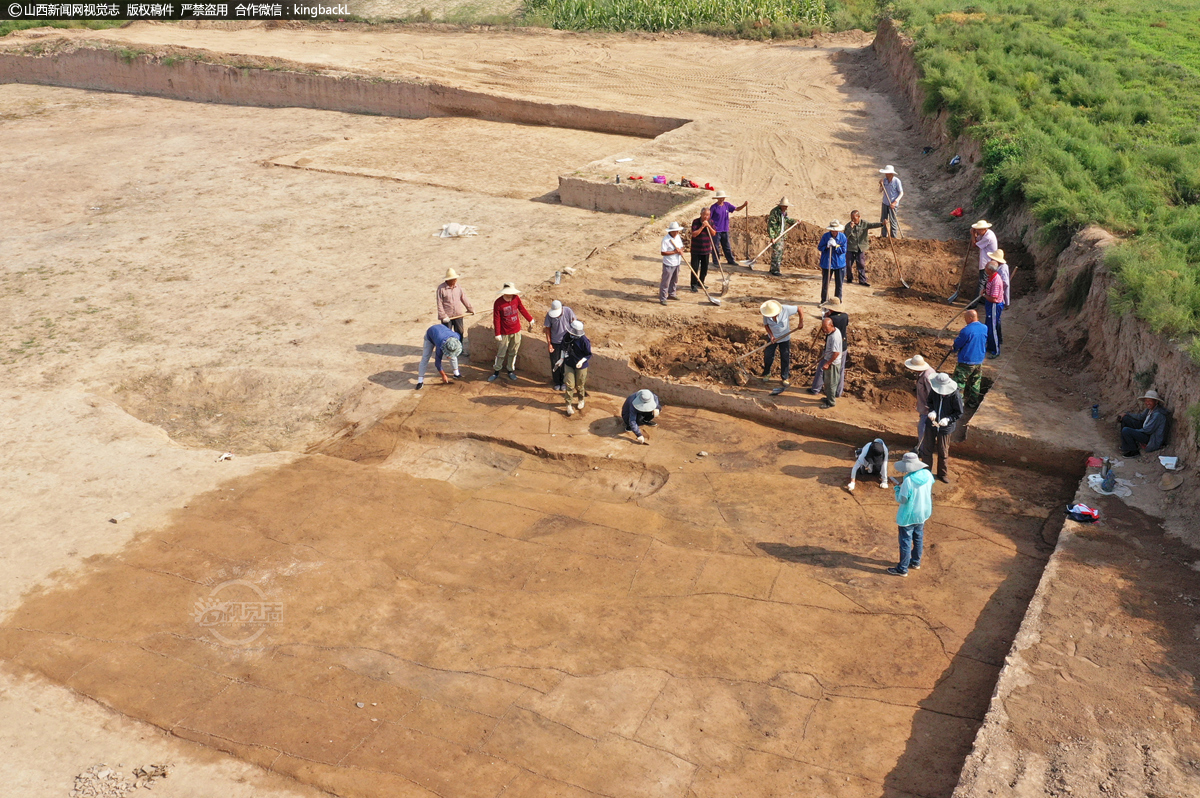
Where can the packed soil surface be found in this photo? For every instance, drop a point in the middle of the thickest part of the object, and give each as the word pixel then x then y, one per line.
pixel 465 618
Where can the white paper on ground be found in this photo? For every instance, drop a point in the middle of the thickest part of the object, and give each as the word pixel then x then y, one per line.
pixel 1169 463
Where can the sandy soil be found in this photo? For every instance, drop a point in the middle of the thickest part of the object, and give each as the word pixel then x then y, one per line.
pixel 678 626
pixel 155 259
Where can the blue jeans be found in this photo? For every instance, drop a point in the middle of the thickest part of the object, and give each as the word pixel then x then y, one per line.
pixel 912 546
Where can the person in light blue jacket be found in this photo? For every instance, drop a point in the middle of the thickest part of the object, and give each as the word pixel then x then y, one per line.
pixel 832 247
pixel 915 496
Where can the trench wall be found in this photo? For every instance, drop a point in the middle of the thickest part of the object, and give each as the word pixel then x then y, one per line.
pixel 635 198
pixel 1120 346
pixel 614 374
pixel 188 78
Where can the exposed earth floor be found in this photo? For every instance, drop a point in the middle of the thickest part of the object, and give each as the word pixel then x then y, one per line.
pixel 524 603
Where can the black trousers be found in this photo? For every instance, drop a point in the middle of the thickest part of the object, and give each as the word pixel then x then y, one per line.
pixel 723 242
pixel 556 371
pixel 785 359
pixel 700 267
pixel 838 276
pixel 1131 436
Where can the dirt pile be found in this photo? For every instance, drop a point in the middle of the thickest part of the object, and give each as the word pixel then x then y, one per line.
pixel 927 265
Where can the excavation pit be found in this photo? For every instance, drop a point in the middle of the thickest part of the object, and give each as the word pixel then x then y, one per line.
pixel 506 599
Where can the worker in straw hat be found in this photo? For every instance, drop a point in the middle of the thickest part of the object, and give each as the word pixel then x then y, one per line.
pixel 556 326
pixel 574 359
pixel 641 409
pixel 924 373
pixel 984 239
pixel 993 303
pixel 721 210
pixel 671 249
pixel 1146 428
pixel 453 305
pixel 777 320
pixel 777 224
pixel 914 494
pixel 892 190
pixel 439 340
pixel 945 409
pixel 507 311
pixel 832 247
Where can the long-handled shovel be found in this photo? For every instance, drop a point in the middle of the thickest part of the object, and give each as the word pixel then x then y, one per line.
pixel 966 260
pixel 711 298
pixel 737 363
pixel 749 264
pixel 717 257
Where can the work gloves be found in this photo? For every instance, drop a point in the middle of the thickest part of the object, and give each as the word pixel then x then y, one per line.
pixel 582 360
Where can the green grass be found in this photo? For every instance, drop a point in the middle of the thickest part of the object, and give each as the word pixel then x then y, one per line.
pixel 8 26
pixel 1088 114
pixel 770 17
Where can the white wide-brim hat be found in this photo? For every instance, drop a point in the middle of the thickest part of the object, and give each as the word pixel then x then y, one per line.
pixel 916 363
pixel 909 463
pixel 770 308
pixel 784 202
pixel 674 227
pixel 508 288
pixel 888 170
pixel 643 401
pixel 981 225
pixel 720 195
pixel 943 384
pixel 997 256
pixel 836 226
pixel 556 309
pixel 451 274
pixel 577 326
pixel 1151 394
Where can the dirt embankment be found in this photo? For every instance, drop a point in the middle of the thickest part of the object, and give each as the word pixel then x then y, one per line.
pixel 929 266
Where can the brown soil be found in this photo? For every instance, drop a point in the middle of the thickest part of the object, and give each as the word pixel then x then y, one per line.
pixel 677 626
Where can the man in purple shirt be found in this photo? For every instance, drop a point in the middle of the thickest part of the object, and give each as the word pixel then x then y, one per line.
pixel 721 211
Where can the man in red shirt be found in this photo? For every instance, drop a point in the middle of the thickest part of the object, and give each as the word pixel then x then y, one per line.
pixel 506 318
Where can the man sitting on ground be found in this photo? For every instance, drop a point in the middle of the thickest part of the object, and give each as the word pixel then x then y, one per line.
pixel 872 459
pixel 1146 428
pixel 640 410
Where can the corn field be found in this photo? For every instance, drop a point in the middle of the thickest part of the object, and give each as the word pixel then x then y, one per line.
pixel 661 15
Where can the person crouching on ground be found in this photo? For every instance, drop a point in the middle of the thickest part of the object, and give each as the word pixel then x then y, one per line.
pixel 576 354
pixel 914 494
pixel 872 459
pixel 1147 427
pixel 556 326
pixel 506 317
pixel 831 361
pixel 924 373
pixel 832 247
pixel 777 320
pixel 857 245
pixel 640 410
pixel 945 409
pixel 439 340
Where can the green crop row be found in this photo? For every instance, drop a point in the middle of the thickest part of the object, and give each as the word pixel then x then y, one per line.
pixel 661 15
pixel 1088 114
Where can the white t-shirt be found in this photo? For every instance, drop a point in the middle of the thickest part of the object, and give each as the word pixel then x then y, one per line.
pixel 671 241
pixel 833 343
pixel 987 245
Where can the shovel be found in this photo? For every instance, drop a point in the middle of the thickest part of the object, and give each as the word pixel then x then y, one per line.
pixel 717 257
pixel 966 260
pixel 749 264
pixel 711 298
pixel 462 316
pixel 956 315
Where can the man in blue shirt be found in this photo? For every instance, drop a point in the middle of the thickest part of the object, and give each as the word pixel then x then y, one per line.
pixel 971 345
pixel 441 340
pixel 640 410
pixel 832 247
pixel 777 319
pixel 915 496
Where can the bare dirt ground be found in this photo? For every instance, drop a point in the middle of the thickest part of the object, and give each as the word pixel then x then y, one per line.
pixel 157 265
pixel 678 626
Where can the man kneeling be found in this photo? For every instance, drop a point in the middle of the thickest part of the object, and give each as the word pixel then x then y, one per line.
pixel 873 460
pixel 1148 428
